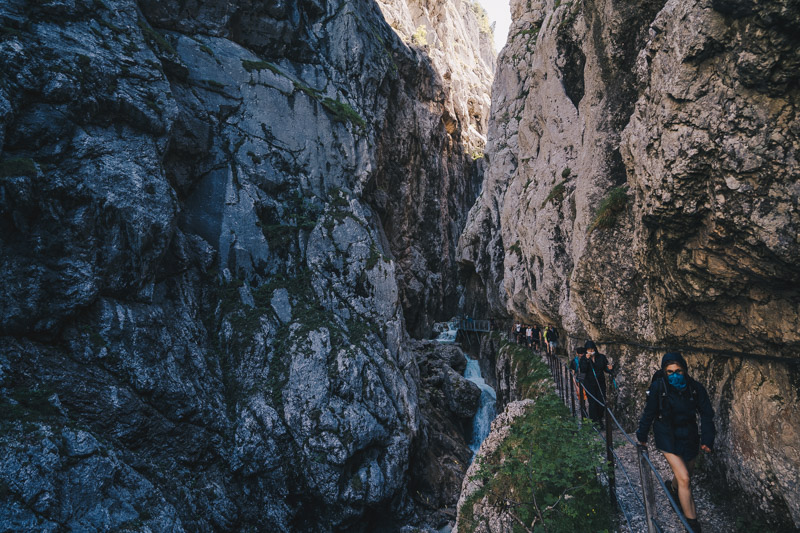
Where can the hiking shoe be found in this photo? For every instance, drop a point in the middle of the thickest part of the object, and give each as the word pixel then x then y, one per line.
pixel 674 493
pixel 694 524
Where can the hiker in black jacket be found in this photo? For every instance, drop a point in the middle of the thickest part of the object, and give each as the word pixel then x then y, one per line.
pixel 673 401
pixel 575 369
pixel 593 367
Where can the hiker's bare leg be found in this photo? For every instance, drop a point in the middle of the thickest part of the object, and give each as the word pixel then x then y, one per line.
pixel 682 477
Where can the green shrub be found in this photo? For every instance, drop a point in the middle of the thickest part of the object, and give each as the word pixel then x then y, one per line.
pixel 420 36
pixel 114 29
pixel 152 105
pixel 374 256
pixel 250 66
pixel 155 38
pixel 17 166
pixel 313 93
pixel 343 112
pixel 483 19
pixel 556 193
pixel 611 206
pixel 532 32
pixel 7 31
pixel 29 405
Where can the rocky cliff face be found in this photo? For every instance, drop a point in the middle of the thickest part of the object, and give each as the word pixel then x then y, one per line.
pixel 443 150
pixel 204 212
pixel 494 519
pixel 642 188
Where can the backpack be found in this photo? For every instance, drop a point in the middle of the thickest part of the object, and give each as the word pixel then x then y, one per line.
pixel 662 393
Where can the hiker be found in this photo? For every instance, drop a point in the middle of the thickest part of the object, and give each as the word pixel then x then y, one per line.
pixel 528 336
pixel 594 366
pixel 545 332
pixel 576 376
pixel 535 335
pixel 673 401
pixel 552 340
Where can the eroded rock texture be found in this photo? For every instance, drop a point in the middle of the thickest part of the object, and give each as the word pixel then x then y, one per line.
pixel 440 458
pixel 680 118
pixel 493 518
pixel 443 150
pixel 202 316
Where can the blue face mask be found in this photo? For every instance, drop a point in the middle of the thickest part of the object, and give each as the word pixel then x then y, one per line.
pixel 677 380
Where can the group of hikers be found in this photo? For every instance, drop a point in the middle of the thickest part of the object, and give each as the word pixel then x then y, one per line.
pixel 535 337
pixel 674 400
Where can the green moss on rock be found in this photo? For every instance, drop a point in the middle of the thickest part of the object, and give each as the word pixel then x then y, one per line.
pixel 18 166
pixel 610 208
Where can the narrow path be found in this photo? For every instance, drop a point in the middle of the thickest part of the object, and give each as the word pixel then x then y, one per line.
pixel 715 517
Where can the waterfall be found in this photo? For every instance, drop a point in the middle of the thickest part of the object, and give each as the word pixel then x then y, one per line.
pixel 483 418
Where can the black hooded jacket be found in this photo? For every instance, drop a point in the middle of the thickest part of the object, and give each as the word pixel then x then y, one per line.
pixel 673 415
pixel 593 373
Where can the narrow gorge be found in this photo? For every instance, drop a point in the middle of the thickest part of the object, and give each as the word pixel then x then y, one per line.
pixel 227 229
pixel 642 191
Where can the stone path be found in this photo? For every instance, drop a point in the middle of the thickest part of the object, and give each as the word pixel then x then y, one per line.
pixel 713 517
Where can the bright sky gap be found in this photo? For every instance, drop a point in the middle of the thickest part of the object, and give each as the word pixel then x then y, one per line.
pixel 500 12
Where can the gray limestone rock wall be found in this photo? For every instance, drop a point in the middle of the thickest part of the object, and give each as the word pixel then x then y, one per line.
pixel 201 310
pixel 441 146
pixel 642 188
pixel 494 519
pixel 441 455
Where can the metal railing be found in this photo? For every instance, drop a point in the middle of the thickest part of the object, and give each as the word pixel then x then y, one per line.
pixel 470 324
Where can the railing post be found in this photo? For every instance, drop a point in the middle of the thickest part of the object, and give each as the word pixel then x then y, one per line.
pixel 647 489
pixel 612 482
pixel 558 377
pixel 560 380
pixel 571 394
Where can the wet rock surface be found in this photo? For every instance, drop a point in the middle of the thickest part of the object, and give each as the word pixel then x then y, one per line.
pixel 441 455
pixel 197 270
pixel 642 189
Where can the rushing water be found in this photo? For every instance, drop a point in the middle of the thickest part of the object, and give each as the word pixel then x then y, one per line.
pixel 483 418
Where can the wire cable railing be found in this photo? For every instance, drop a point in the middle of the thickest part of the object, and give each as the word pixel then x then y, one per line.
pixel 730 354
pixel 646 457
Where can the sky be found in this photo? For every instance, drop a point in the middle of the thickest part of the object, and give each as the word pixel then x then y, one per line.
pixel 499 11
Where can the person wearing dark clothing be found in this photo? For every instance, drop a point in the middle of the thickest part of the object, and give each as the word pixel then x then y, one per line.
pixel 673 402
pixel 552 340
pixel 535 334
pixel 575 369
pixel 594 366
